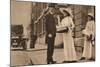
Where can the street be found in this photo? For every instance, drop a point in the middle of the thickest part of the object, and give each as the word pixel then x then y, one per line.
pixel 36 56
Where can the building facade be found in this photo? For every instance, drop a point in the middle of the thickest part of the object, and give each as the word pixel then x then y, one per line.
pixel 25 13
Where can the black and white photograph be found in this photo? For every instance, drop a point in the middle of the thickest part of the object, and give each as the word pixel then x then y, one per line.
pixel 43 33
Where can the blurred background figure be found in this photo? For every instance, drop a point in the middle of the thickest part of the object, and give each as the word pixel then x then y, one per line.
pixel 28 36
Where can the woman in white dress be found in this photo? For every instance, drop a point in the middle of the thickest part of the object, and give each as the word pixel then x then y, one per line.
pixel 69 48
pixel 89 38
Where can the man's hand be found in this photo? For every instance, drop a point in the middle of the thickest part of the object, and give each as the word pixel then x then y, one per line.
pixel 50 35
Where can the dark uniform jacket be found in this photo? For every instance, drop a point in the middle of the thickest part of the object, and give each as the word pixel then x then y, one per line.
pixel 50 24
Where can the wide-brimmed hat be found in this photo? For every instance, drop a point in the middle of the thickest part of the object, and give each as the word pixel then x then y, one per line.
pixel 67 10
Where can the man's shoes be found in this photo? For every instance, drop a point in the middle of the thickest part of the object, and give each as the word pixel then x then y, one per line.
pixel 73 61
pixel 51 62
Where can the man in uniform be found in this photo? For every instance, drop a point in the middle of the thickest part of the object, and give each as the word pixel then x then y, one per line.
pixel 50 33
pixel 50 24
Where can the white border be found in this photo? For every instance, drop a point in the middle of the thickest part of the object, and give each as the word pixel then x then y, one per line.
pixel 4 33
pixel 82 2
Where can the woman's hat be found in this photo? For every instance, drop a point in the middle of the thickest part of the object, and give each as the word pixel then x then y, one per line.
pixel 67 10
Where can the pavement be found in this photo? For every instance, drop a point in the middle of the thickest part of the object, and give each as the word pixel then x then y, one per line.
pixel 37 56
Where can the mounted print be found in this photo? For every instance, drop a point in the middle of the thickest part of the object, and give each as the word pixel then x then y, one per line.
pixel 51 33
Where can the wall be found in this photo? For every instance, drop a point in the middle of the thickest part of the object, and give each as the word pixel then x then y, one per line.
pixel 21 14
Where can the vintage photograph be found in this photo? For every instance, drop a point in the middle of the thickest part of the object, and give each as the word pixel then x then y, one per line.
pixel 51 33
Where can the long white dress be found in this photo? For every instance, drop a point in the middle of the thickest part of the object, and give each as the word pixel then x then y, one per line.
pixel 90 29
pixel 69 48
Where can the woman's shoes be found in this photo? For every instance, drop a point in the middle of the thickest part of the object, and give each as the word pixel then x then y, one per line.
pixel 82 58
pixel 69 61
pixel 92 59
